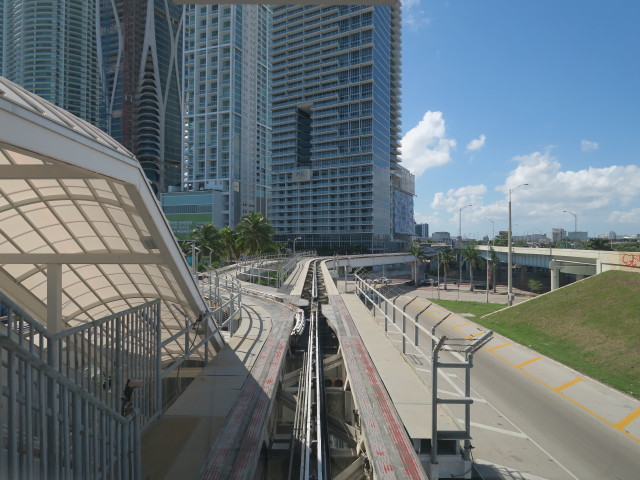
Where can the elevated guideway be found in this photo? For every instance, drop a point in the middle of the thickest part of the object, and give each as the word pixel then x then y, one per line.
pixel 561 260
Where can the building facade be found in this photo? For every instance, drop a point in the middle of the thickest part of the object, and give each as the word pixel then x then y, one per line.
pixel 336 180
pixel 558 234
pixel 226 114
pixel 50 49
pixel 113 63
pixel 421 231
pixel 140 55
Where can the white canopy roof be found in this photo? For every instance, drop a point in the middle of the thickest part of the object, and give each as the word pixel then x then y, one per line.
pixel 70 195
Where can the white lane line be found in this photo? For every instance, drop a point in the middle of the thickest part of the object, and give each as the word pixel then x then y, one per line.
pixel 496 429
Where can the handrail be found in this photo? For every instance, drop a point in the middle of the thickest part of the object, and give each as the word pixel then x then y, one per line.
pixel 58 427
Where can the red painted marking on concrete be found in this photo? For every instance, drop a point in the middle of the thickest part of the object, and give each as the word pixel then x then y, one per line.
pixel 355 353
pixel 227 442
pixel 251 438
pixel 631 260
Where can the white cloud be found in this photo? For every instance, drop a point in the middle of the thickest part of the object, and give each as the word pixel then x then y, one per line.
pixel 601 197
pixel 588 145
pixel 413 16
pixel 425 145
pixel 477 143
pixel 631 217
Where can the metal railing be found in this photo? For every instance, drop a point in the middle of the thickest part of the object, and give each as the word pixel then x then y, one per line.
pixel 270 269
pixel 398 318
pixel 57 421
pixel 69 392
pixel 99 356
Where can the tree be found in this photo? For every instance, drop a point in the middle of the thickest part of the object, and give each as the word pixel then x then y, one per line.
pixel 501 240
pixel 254 234
pixel 447 259
pixel 207 239
pixel 598 244
pixel 535 285
pixel 471 255
pixel 418 255
pixel 494 261
pixel 229 240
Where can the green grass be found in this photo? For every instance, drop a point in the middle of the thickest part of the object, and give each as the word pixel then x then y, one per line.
pixel 592 326
pixel 477 309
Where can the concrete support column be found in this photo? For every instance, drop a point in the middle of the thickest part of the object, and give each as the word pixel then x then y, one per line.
pixel 555 275
pixel 54 298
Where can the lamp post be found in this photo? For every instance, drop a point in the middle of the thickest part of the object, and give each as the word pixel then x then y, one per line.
pixel 575 224
pixel 294 243
pixel 460 236
pixel 493 232
pixel 509 253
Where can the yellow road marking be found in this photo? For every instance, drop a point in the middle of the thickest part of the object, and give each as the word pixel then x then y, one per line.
pixel 532 377
pixel 630 418
pixel 474 335
pixel 568 384
pixel 461 325
pixel 528 362
pixel 499 346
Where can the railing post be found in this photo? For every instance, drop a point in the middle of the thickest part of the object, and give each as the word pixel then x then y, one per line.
pixel 434 470
pixel 158 335
pixel 417 323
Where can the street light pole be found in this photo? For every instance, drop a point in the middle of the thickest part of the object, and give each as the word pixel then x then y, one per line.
pixel 575 224
pixel 510 253
pixel 460 236
pixel 294 243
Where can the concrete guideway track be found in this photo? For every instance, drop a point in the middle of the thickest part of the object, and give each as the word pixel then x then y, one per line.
pixel 238 446
pixel 389 449
pixel 532 413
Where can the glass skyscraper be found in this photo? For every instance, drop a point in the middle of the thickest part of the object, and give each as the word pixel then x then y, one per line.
pixel 336 180
pixel 49 48
pixel 225 114
pixel 113 63
pixel 141 66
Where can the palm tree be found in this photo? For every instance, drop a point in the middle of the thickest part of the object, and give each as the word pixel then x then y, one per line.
pixel 493 265
pixel 471 255
pixel 254 234
pixel 207 238
pixel 229 240
pixel 418 254
pixel 447 258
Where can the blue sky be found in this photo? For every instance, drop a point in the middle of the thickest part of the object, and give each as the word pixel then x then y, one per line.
pixel 497 93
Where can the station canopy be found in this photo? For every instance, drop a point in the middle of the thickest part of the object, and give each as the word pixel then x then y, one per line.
pixel 72 196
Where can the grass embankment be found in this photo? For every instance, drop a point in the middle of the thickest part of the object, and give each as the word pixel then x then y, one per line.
pixel 592 326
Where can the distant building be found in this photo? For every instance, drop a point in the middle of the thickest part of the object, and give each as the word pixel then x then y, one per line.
pixel 421 231
pixel 580 236
pixel 558 234
pixel 441 237
pixel 186 211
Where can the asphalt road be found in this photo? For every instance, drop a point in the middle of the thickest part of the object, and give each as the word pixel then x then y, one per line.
pixel 522 429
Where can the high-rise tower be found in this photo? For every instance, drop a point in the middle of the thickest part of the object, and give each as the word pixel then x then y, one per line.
pixel 225 114
pixel 49 48
pixel 141 59
pixel 335 177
